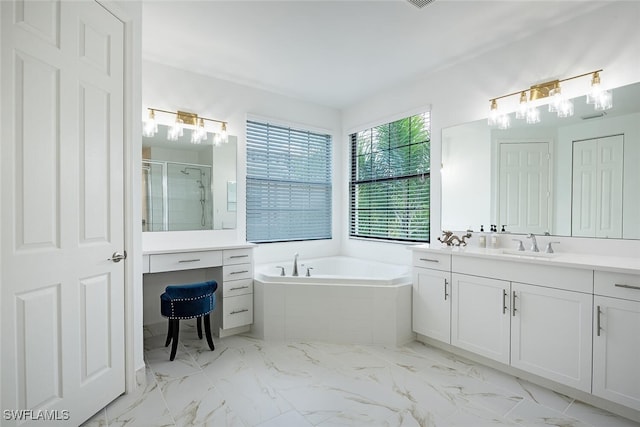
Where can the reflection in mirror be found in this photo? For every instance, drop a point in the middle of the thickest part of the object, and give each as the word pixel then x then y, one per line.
pixel 184 185
pixel 574 176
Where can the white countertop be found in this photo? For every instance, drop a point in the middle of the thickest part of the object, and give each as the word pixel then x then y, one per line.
pixel 615 264
pixel 173 248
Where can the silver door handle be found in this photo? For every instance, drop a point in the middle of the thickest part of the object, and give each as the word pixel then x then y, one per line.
pixel 446 282
pixel 244 310
pixel 598 327
pixel 239 272
pixel 238 256
pixel 504 301
pixel 188 260
pixel 117 257
pixel 514 303
pixel 429 260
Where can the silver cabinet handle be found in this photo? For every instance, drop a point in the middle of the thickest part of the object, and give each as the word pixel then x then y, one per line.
pixel 513 303
pixel 239 272
pixel 598 328
pixel 504 301
pixel 627 286
pixel 244 310
pixel 188 260
pixel 446 282
pixel 117 257
pixel 429 260
pixel 238 288
pixel 238 256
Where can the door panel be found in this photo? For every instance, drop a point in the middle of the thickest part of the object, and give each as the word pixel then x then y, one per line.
pixel 524 186
pixel 61 158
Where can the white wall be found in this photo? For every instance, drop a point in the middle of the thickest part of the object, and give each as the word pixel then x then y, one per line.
pixel 172 89
pixel 607 38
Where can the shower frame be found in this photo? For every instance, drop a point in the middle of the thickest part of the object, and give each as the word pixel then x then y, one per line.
pixel 165 187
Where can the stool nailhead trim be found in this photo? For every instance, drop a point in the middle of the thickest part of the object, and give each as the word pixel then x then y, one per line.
pixel 173 312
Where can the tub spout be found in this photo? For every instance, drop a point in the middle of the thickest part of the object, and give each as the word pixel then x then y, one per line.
pixel 295 265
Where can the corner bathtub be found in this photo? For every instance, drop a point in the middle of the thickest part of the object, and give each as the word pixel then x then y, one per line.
pixel 346 300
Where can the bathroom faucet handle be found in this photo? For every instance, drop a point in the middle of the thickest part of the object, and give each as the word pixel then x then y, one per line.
pixel 281 269
pixel 520 245
pixel 308 272
pixel 549 248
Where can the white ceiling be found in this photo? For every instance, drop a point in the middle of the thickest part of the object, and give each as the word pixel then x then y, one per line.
pixel 336 53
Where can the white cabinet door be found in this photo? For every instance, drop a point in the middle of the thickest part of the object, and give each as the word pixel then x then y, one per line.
pixel 616 346
pixel 480 316
pixel 432 303
pixel 551 334
pixel 62 216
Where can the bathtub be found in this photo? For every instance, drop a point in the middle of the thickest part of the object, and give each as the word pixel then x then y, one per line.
pixel 345 300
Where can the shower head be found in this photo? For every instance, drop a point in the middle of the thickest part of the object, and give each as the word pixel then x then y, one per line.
pixel 184 171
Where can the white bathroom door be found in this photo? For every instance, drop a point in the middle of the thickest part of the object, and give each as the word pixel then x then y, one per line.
pixel 596 201
pixel 524 196
pixel 62 215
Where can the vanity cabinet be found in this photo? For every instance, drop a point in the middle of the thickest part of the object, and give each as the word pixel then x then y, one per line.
pixel 480 316
pixel 551 333
pixel 616 338
pixel 236 290
pixel 431 296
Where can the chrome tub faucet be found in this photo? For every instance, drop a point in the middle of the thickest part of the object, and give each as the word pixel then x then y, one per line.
pixel 295 265
pixel 534 242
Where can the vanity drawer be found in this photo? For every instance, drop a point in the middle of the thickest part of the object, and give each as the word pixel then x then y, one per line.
pixel 145 264
pixel 237 287
pixel 184 261
pixel 435 261
pixel 237 272
pixel 237 256
pixel 617 285
pixel 237 311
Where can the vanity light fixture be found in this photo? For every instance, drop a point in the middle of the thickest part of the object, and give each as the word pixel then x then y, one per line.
pixel 184 120
pixel 527 108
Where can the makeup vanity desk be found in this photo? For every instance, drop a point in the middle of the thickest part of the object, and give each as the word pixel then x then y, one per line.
pixel 229 265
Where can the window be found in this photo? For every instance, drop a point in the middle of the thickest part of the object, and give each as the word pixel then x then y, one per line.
pixel 389 188
pixel 288 184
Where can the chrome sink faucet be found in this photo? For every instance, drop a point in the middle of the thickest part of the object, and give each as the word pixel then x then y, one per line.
pixel 295 264
pixel 534 242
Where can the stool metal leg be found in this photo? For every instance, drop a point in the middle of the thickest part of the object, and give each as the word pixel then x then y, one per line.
pixel 207 331
pixel 199 323
pixel 176 330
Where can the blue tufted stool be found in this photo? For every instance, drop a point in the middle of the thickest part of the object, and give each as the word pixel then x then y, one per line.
pixel 186 302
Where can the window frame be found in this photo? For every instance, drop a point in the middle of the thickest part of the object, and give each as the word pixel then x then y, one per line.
pixel 424 177
pixel 322 187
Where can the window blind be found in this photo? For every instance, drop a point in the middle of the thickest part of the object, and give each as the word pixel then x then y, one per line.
pixel 390 180
pixel 288 184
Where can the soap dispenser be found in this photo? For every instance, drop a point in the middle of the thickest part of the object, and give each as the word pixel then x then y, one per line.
pixel 493 242
pixel 482 238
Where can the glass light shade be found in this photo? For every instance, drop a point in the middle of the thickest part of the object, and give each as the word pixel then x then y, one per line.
pixel 533 115
pixel 565 109
pixel 556 100
pixel 175 131
pixel 494 115
pixel 224 136
pixel 504 122
pixel 604 101
pixel 521 112
pixel 150 128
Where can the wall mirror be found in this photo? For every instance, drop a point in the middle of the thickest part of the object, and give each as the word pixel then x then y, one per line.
pixel 573 176
pixel 185 185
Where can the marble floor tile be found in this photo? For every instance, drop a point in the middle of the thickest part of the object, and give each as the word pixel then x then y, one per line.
pixel 247 382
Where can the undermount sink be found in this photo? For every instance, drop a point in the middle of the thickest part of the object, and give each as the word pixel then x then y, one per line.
pixel 527 254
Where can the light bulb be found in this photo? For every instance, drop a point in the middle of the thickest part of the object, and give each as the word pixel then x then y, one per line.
pixel 175 131
pixel 521 112
pixel 494 115
pixel 596 89
pixel 504 122
pixel 223 133
pixel 533 115
pixel 604 101
pixel 565 108
pixel 556 99
pixel 150 127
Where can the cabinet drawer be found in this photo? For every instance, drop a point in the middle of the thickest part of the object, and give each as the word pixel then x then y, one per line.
pixel 237 272
pixel 436 261
pixel 237 311
pixel 617 285
pixel 237 287
pixel 145 264
pixel 237 256
pixel 184 261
